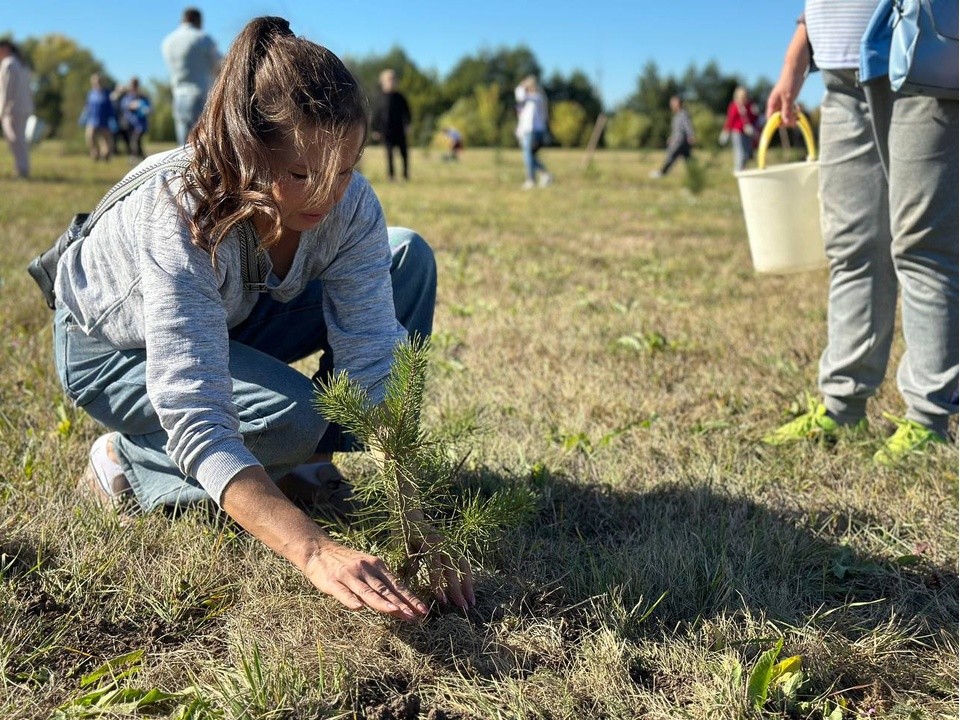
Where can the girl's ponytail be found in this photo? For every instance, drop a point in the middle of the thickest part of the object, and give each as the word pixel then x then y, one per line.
pixel 274 90
pixel 262 33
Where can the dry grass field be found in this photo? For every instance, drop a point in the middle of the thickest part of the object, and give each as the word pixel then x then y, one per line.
pixel 603 342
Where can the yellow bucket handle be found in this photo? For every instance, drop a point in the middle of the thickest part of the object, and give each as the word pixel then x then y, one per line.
pixel 774 122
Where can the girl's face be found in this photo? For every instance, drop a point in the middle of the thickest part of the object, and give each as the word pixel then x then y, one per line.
pixel 298 211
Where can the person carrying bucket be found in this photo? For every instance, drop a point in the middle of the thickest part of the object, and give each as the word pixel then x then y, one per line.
pixel 888 187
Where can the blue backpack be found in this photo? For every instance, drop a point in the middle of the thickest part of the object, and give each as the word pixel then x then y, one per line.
pixel 914 42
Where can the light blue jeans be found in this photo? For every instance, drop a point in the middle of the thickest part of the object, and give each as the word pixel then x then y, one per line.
pixel 275 402
pixel 888 188
pixel 186 111
pixel 742 149
pixel 530 144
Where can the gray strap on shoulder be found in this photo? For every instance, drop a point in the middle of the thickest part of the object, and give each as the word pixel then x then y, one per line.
pixel 253 264
pixel 127 185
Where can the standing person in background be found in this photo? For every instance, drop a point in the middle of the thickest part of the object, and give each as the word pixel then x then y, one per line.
pixel 531 130
pixel 391 121
pixel 193 61
pixel 98 119
pixel 121 130
pixel 682 137
pixel 741 127
pixel 16 105
pixel 135 113
pixel 888 194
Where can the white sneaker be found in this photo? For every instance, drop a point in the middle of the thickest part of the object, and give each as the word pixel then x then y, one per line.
pixel 528 185
pixel 654 174
pixel 546 179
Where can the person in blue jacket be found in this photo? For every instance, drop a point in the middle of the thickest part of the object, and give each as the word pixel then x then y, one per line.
pixel 135 109
pixel 98 120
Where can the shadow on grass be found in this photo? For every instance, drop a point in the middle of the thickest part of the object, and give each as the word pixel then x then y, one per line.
pixel 712 552
pixel 657 565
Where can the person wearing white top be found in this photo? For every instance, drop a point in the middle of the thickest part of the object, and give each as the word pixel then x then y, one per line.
pixel 16 104
pixel 532 129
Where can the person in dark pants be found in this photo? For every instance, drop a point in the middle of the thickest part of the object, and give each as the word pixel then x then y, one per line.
pixel 135 109
pixel 682 137
pixel 121 131
pixel 391 122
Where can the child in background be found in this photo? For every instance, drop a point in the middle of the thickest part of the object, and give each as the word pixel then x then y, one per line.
pixel 135 114
pixel 97 120
pixel 454 144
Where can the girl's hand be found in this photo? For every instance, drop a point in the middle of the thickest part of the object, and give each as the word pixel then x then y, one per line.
pixel 355 579
pixel 358 580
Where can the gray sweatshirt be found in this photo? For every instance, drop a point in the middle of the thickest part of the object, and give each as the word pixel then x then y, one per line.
pixel 138 282
pixel 681 129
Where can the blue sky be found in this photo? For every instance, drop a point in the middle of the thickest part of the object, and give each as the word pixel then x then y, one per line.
pixel 610 40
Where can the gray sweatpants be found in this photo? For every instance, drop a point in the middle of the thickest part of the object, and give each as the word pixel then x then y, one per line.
pixel 888 186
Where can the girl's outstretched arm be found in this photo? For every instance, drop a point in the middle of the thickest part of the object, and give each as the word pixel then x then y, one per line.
pixel 355 579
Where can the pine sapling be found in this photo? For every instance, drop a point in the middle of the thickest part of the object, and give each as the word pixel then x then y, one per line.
pixel 411 513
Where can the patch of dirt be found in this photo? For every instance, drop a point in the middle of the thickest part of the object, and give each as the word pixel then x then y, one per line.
pixel 391 698
pixel 438 714
pixel 37 601
pixel 374 693
pixel 86 636
pixel 19 557
pixel 402 707
pixel 641 676
pixel 672 687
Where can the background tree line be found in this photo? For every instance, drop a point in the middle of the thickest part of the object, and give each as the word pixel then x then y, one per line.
pixel 476 96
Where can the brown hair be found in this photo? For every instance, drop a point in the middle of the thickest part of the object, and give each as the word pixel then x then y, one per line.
pixel 274 88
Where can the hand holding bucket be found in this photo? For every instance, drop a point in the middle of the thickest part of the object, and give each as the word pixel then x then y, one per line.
pixel 781 207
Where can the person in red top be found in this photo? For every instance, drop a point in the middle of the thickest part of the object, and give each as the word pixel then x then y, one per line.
pixel 741 126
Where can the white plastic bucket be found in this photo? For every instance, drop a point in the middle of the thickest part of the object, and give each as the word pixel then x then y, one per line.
pixel 781 207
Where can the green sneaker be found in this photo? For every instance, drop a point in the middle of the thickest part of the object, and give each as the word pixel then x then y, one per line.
pixel 911 438
pixel 814 424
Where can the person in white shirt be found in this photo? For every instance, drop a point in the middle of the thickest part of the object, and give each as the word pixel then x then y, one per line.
pixel 16 104
pixel 532 129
